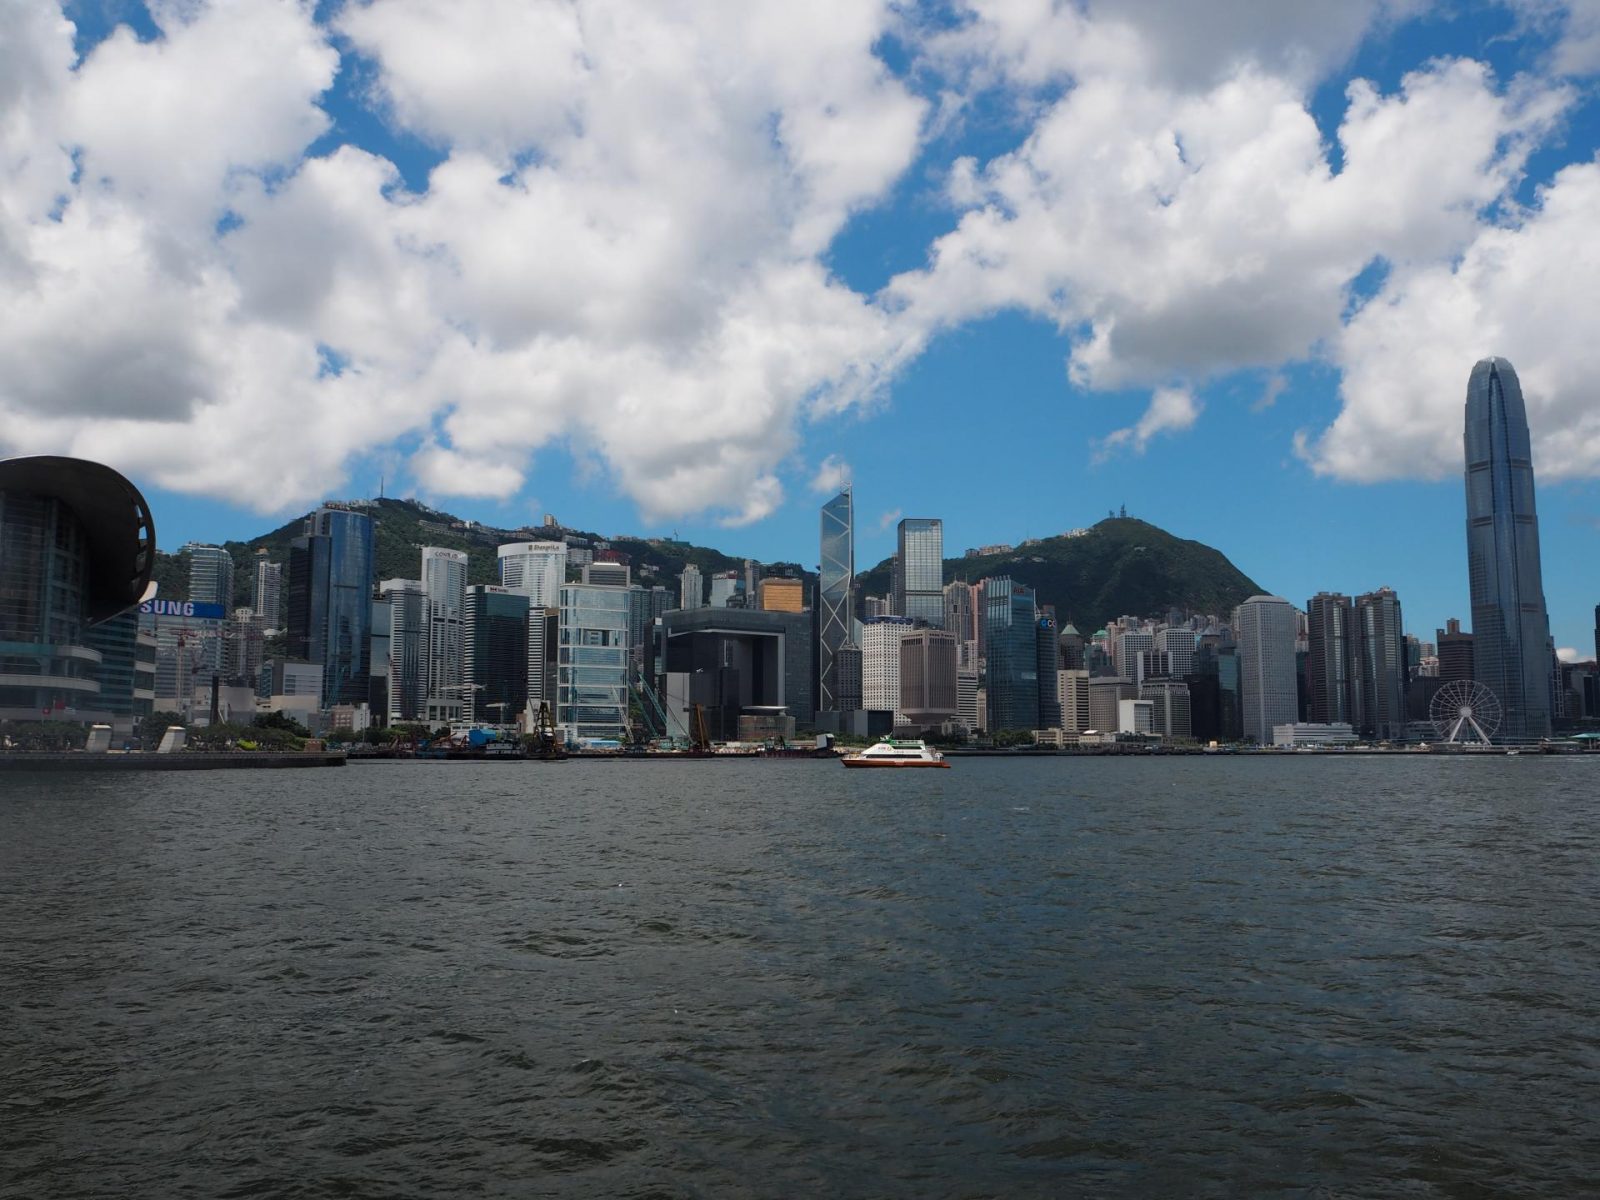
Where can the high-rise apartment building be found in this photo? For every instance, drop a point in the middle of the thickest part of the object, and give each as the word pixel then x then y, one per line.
pixel 1510 628
pixel 266 596
pixel 919 582
pixel 444 584
pixel 536 569
pixel 329 619
pixel 1266 628
pixel 1381 676
pixel 691 588
pixel 1010 622
pixel 836 620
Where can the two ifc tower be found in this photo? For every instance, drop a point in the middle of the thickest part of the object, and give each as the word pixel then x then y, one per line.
pixel 1513 654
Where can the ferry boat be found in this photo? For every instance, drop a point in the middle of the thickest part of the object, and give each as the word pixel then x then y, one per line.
pixel 896 752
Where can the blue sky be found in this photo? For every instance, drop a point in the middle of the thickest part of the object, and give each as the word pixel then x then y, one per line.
pixel 1016 265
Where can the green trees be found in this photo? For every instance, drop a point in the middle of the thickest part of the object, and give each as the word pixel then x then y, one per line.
pixel 152 727
pixel 42 735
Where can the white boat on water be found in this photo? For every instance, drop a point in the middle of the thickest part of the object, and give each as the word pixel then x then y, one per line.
pixel 896 752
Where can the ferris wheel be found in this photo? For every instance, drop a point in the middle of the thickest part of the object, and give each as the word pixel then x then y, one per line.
pixel 1465 710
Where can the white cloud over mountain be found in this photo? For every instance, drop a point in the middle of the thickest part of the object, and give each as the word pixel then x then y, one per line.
pixel 622 248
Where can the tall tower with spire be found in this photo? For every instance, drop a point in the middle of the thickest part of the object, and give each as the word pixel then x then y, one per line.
pixel 1510 627
pixel 836 578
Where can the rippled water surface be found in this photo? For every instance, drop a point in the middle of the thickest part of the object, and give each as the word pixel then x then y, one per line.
pixel 1063 976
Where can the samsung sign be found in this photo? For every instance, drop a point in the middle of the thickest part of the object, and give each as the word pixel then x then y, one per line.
pixel 182 608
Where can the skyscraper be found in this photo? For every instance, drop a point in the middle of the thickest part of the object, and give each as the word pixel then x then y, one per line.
pixel 592 662
pixel 536 569
pixel 880 664
pixel 1047 654
pixel 919 582
pixel 837 574
pixel 408 648
pixel 1072 649
pixel 330 605
pixel 1011 646
pixel 1510 629
pixel 1381 673
pixel 1331 663
pixel 928 693
pixel 495 654
pixel 210 582
pixel 444 584
pixel 691 588
pixel 725 587
pixel 1265 627
pixel 266 598
pixel 210 575
pixel 1455 653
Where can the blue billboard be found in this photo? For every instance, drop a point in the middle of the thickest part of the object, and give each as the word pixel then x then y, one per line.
pixel 183 608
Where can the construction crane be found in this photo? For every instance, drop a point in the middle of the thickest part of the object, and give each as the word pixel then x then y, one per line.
pixel 661 712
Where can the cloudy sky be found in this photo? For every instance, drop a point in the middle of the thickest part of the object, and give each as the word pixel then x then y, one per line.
pixel 682 266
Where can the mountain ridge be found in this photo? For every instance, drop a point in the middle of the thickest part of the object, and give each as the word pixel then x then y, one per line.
pixel 1120 566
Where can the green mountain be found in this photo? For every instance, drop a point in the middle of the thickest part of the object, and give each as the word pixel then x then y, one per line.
pixel 403 527
pixel 1121 566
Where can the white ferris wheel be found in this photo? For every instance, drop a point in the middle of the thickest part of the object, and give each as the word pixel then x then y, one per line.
pixel 1463 710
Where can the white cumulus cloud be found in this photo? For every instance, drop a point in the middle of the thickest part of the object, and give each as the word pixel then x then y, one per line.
pixel 621 248
pixel 832 474
pixel 1171 410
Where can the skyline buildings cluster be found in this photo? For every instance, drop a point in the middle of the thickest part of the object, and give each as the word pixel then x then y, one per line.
pixel 568 628
pixel 1343 662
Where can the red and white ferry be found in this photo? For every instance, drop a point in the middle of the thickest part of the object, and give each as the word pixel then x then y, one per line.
pixel 896 752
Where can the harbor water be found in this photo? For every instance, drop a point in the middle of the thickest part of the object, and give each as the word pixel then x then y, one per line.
pixel 1309 976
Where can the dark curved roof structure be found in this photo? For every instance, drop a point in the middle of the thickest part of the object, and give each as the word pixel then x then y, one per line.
pixel 116 520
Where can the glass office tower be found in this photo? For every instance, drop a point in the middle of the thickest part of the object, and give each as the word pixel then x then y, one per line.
pixel 592 662
pixel 1331 662
pixel 330 601
pixel 1511 632
pixel 836 620
pixel 919 582
pixel 1011 638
